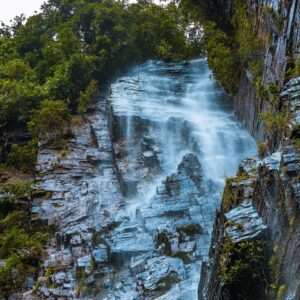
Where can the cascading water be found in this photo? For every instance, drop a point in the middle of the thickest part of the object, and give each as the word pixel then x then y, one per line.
pixel 163 111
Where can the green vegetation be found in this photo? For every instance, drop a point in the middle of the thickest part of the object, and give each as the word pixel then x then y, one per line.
pixel 52 63
pixel 21 240
pixel 242 267
pixel 274 272
pixel 51 121
pixel 294 70
pixel 231 195
pixel 261 149
pixel 232 46
pixel 281 292
pixel 275 122
pixel 23 157
pixel 222 60
pixel 276 288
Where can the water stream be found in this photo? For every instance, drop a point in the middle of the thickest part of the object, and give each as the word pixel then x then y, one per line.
pixel 162 112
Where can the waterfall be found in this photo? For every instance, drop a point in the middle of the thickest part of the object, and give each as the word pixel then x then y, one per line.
pixel 164 111
pixel 188 112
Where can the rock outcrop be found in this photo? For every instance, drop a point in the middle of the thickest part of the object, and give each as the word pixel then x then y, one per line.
pixel 81 191
pixel 269 214
pixel 276 23
pixel 98 248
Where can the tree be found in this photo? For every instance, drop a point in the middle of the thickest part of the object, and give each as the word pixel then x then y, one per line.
pixel 87 96
pixel 51 121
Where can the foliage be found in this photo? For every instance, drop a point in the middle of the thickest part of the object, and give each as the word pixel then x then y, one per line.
pixel 232 46
pixel 242 267
pixel 51 121
pixel 275 123
pixel 21 241
pixel 281 292
pixel 86 97
pixel 221 57
pixel 15 190
pixel 262 148
pixel 23 157
pixel 230 195
pixel 60 53
pixel 295 71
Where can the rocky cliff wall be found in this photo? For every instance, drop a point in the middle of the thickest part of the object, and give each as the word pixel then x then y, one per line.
pixel 260 209
pixel 277 25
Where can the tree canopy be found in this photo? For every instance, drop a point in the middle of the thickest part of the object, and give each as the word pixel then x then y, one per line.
pixel 59 54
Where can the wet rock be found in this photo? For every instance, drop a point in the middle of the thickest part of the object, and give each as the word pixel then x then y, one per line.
pixel 29 296
pixel 176 198
pixel 160 274
pixel 84 262
pixel 148 139
pixel 100 254
pixel 59 277
pixel 61 259
pixel 272 162
pixel 137 264
pixel 150 159
pixel 249 166
pixel 244 223
pixel 126 244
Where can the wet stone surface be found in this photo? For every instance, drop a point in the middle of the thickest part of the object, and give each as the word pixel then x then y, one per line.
pixel 131 204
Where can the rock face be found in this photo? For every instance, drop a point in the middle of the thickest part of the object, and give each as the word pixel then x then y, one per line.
pixel 260 209
pixel 89 248
pixel 280 42
pixel 269 215
pixel 80 183
pixel 131 206
pixel 95 237
pixel 166 239
pixel 261 204
pixel 245 223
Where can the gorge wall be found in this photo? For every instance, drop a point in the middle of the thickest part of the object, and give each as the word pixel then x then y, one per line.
pixel 255 246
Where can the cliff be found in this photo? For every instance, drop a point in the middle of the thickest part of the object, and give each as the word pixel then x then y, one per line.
pixel 254 251
pixel 131 220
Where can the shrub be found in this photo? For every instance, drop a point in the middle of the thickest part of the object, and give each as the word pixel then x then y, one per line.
pixel 242 269
pixel 262 147
pixel 21 241
pixel 222 57
pixel 275 123
pixel 51 121
pixel 23 157
pixel 86 97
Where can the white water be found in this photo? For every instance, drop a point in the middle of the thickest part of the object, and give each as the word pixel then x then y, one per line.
pixel 161 92
pixel 184 111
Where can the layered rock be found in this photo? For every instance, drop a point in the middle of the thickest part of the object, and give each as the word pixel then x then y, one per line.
pixel 166 243
pixel 127 226
pixel 265 210
pixel 81 190
pixel 97 249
